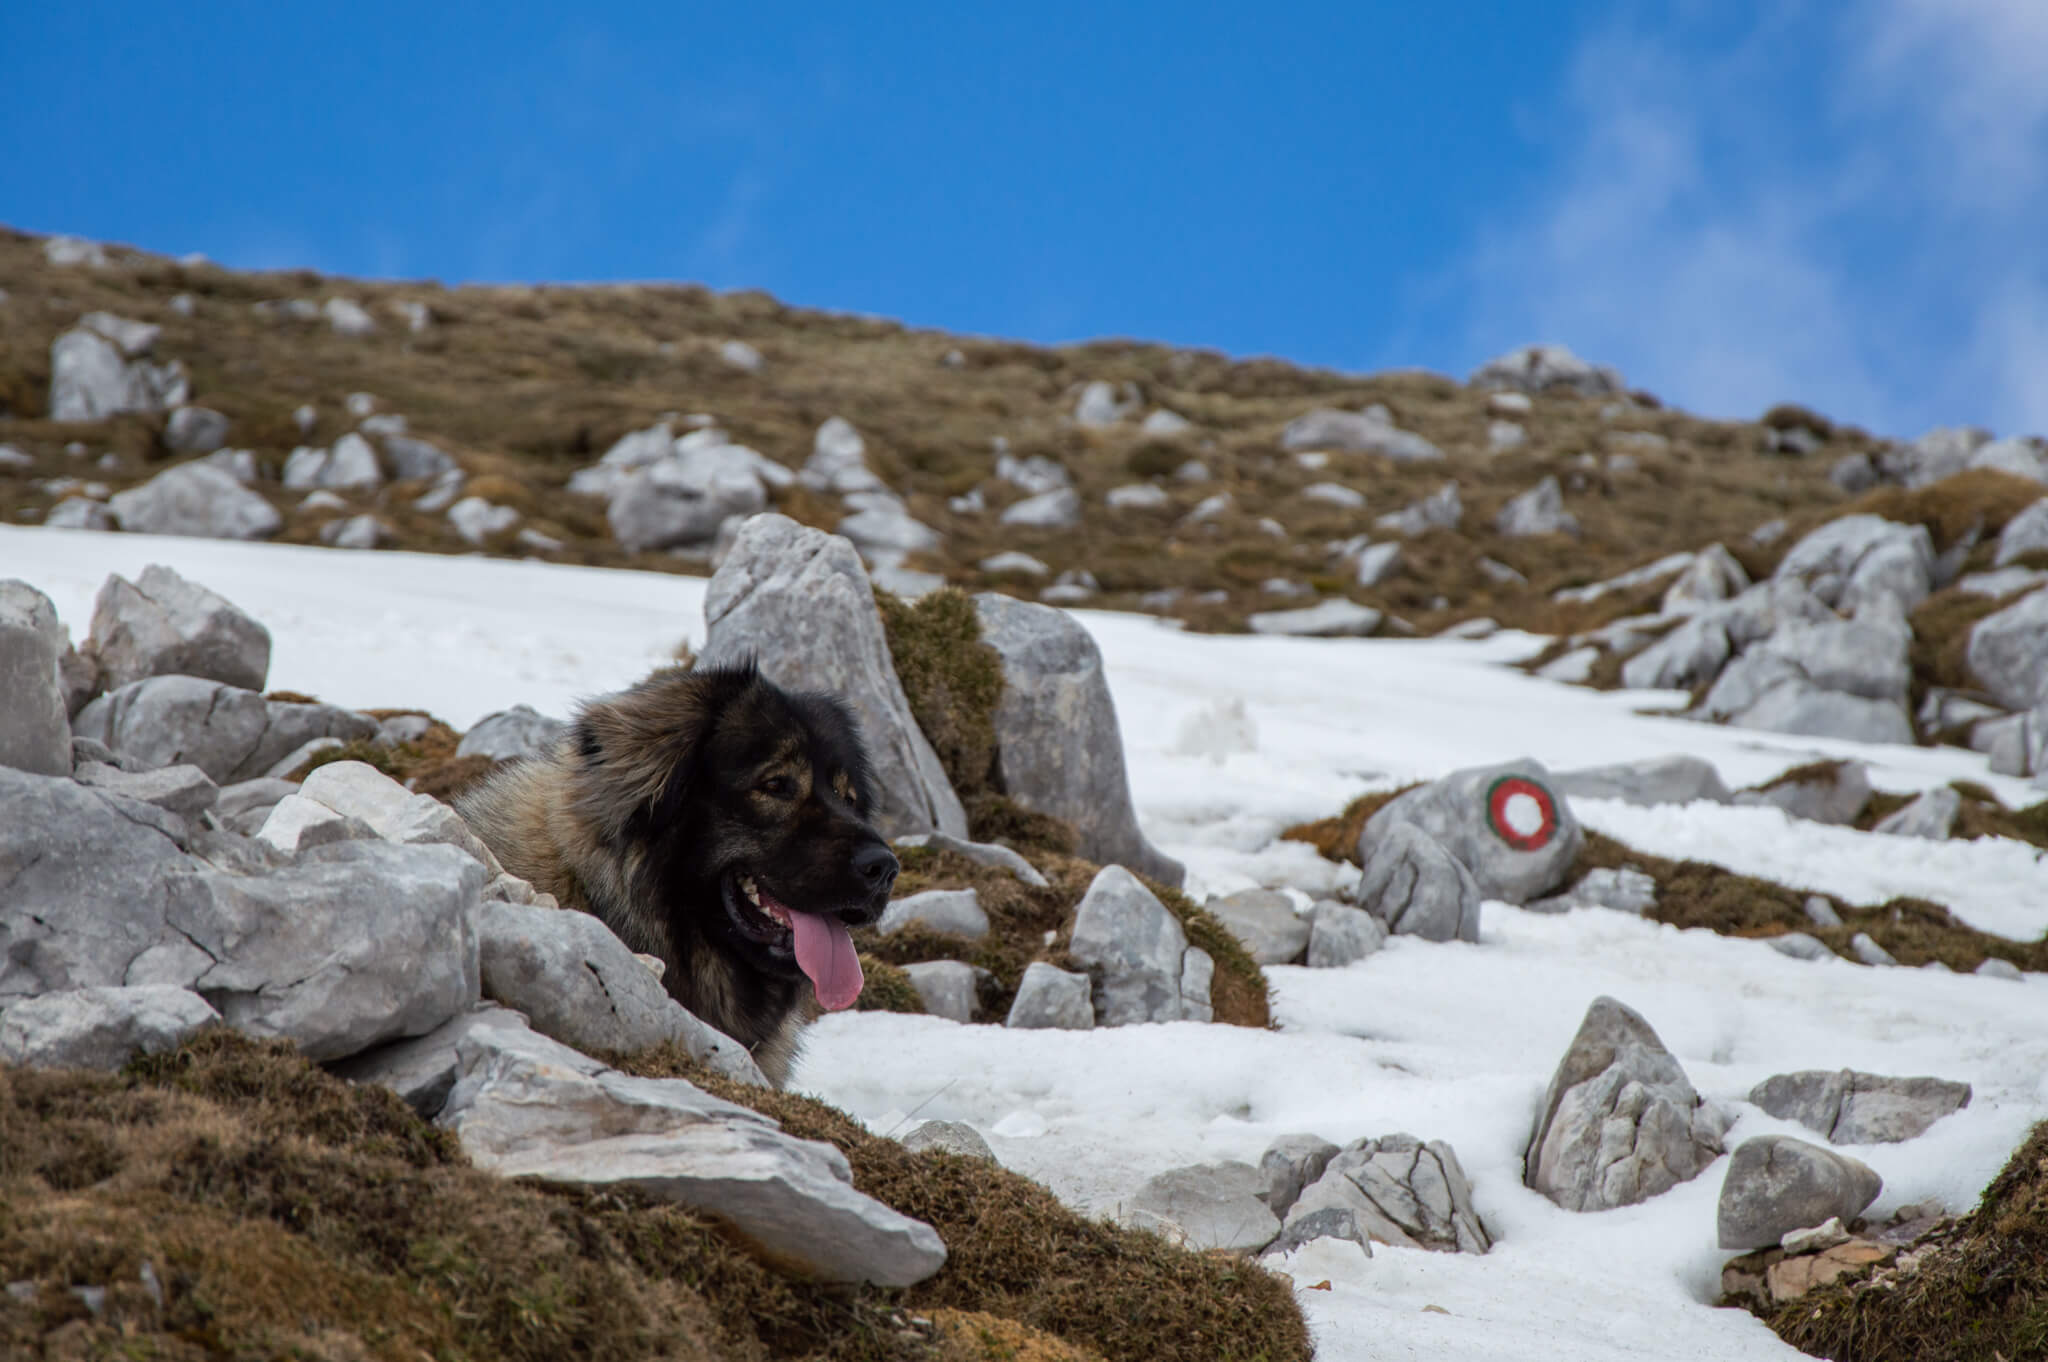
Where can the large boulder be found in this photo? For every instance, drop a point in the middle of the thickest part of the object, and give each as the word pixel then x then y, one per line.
pixel 1417 888
pixel 512 735
pixel 164 625
pixel 527 1106
pixel 1776 1184
pixel 1502 823
pixel 683 499
pixel 798 602
pixel 35 732
pixel 198 500
pixel 1859 558
pixel 1059 750
pixel 99 1028
pixel 2008 652
pixel 1134 948
pixel 1207 1207
pixel 1394 1190
pixel 98 369
pixel 1849 1107
pixel 1366 432
pixel 1547 368
pixel 1620 1122
pixel 1292 1163
pixel 1836 678
pixel 229 733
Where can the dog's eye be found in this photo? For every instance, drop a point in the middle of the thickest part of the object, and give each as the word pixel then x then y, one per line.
pixel 778 787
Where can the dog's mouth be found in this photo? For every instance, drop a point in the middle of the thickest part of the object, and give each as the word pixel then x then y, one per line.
pixel 820 945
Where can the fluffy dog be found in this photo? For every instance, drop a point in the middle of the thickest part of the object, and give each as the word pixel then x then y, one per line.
pixel 718 822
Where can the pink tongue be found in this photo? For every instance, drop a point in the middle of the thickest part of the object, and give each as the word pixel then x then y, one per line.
pixel 824 951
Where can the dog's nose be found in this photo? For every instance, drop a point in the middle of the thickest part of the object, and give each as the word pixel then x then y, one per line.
pixel 875 864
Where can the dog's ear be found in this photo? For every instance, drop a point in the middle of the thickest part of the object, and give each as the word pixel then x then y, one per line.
pixel 637 749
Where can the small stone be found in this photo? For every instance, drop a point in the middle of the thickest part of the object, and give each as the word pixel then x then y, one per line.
pixel 1206 1207
pixel 1866 949
pixel 1776 1184
pixel 1264 923
pixel 477 520
pixel 1820 911
pixel 1340 935
pixel 1330 619
pixel 1050 997
pixel 1800 946
pixel 1822 1236
pixel 1994 968
pixel 955 911
pixel 951 1137
pixel 741 356
pixel 946 987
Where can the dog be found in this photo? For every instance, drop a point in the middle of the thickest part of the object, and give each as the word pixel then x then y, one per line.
pixel 719 823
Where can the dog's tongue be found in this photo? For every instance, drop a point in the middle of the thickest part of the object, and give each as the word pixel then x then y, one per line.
pixel 824 951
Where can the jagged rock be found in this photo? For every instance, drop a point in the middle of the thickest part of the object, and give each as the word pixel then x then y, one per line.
pixel 1540 510
pixel 297 824
pixel 413 458
pixel 526 1106
pixel 358 790
pixel 2025 533
pixel 1416 887
pixel 1264 923
pixel 422 1069
pixel 1395 1190
pixel 1620 1122
pixel 683 499
pixel 799 602
pixel 1059 750
pixel 1291 1163
pixel 195 430
pixel 1206 1207
pixel 579 984
pixel 197 500
pixel 182 790
pixel 1776 1184
pixel 1197 975
pixel 1340 935
pixel 2021 457
pixel 1624 891
pixel 350 466
pixel 229 733
pixel 1932 815
pixel 99 1028
pixel 957 911
pixel 1674 779
pixel 2008 652
pixel 35 732
pixel 245 805
pixel 838 461
pixel 953 1137
pixel 1440 510
pixel 1377 562
pixel 97 370
pixel 1859 558
pixel 512 735
pixel 1934 456
pixel 1831 792
pixel 947 988
pixel 1051 998
pixel 1713 576
pixel 1848 1107
pixel 1502 823
pixel 164 625
pixel 1836 678
pixel 981 853
pixel 1330 619
pixel 1547 368
pixel 1366 432
pixel 1125 936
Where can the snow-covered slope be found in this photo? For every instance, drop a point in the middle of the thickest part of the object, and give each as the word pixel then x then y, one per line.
pixel 1450 1042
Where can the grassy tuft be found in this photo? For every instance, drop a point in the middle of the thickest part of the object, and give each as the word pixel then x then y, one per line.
pixel 953 680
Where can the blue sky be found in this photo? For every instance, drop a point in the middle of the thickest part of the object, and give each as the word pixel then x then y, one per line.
pixel 1735 203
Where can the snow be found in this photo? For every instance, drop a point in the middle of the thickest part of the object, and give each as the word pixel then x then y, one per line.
pixel 1228 740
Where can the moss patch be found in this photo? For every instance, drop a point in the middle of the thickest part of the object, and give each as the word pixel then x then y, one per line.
pixel 954 681
pixel 426 764
pixel 1979 1294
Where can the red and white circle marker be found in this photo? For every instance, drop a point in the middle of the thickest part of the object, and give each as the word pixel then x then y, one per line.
pixel 1521 813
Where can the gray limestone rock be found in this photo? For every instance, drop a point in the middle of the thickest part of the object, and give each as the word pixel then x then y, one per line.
pixel 1548 368
pixel 1540 510
pixel 1624 891
pixel 579 984
pixel 1340 935
pixel 838 461
pixel 1848 1107
pixel 195 430
pixel 99 369
pixel 1264 923
pixel 1440 510
pixel 2025 533
pixel 1290 1164
pixel 1134 947
pixel 1197 974
pixel 1055 510
pixel 164 625
pixel 1335 618
pixel 1059 750
pixel 512 734
pixel 244 805
pixel 1776 1184
pixel 1828 792
pixel 412 458
pixel 350 466
pixel 1101 404
pixel 1620 1122
pixel 1394 1190
pixel 196 500
pixel 1865 948
pixel 2008 652
pixel 1052 998
pixel 947 988
pixel 951 1137
pixel 230 734
pixel 682 500
pixel 1502 823
pixel 1206 1207
pixel 1653 780
pixel 1857 558
pixel 798 602
pixel 182 790
pixel 1366 432
pixel 1713 576
pixel 1800 946
pixel 298 824
pixel 99 1028
pixel 422 1069
pixel 957 911
pixel 1932 815
pixel 1820 911
pixel 1416 887
pixel 526 1106
pixel 35 731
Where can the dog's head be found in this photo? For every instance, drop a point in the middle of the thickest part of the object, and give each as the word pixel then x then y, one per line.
pixel 746 808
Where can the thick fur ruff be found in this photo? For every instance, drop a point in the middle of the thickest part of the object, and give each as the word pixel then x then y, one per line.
pixel 667 805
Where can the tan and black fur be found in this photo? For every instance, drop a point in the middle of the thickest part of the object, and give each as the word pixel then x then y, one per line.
pixel 664 798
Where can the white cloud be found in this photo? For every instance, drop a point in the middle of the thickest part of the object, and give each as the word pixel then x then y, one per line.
pixel 1868 242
